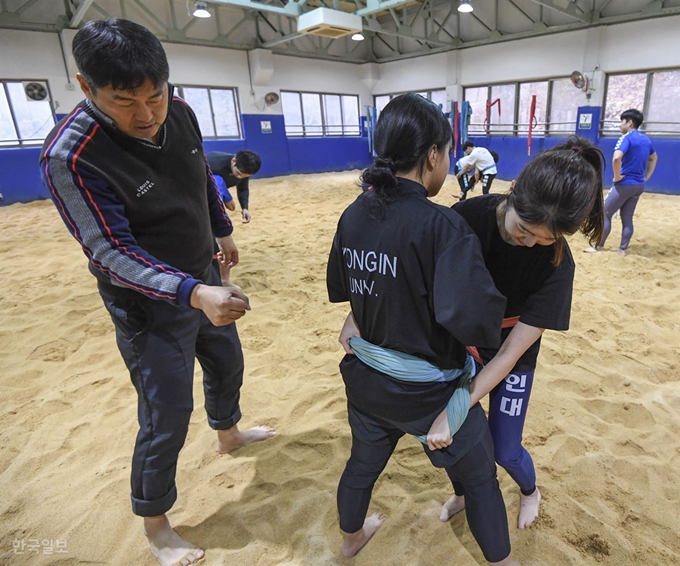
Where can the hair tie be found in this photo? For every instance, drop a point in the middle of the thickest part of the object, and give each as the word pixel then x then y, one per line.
pixel 576 148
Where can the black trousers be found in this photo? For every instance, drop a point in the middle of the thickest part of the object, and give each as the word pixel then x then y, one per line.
pixel 159 342
pixel 374 440
pixel 466 183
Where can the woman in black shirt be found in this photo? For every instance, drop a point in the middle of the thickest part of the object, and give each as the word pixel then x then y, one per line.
pixel 522 236
pixel 414 275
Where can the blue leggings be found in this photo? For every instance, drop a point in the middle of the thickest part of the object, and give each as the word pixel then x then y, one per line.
pixel 625 199
pixel 508 404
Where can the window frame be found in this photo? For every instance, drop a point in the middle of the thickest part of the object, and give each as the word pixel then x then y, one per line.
pixel 649 83
pixel 393 94
pixel 18 141
pixel 513 129
pixel 179 88
pixel 322 107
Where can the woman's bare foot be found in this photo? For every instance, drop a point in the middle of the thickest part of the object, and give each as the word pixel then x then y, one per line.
pixel 592 250
pixel 528 509
pixel 354 542
pixel 459 196
pixel 167 546
pixel 623 253
pixel 233 439
pixel 454 505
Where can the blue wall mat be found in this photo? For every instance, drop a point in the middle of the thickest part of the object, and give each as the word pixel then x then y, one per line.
pixel 588 122
pixel 20 176
pixel 318 155
pixel 512 153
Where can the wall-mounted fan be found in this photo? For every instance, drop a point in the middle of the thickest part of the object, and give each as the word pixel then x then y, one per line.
pixel 35 91
pixel 271 98
pixel 580 81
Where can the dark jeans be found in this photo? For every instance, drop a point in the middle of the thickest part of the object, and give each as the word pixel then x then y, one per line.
pixel 159 343
pixel 374 440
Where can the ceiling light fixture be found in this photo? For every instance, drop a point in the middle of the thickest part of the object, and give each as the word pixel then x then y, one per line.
pixel 358 37
pixel 201 9
pixel 465 6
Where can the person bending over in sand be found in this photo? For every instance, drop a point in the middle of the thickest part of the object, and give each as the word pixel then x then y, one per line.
pixel 522 236
pixel 127 173
pixel 414 275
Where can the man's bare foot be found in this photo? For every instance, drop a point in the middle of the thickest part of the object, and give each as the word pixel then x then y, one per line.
pixel 354 542
pixel 233 439
pixel 454 505
pixel 592 250
pixel 622 252
pixel 528 509
pixel 167 546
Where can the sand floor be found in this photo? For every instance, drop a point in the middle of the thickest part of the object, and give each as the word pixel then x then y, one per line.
pixel 603 428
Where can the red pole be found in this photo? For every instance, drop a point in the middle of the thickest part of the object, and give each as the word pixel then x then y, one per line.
pixel 532 118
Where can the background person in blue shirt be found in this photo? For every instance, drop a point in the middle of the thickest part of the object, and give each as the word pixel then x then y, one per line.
pixel 634 162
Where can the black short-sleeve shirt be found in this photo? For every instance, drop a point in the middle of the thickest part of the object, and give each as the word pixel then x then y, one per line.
pixel 536 291
pixel 414 275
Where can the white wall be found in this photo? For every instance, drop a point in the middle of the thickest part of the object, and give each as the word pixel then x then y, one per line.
pixel 647 44
pixel 624 47
pixel 35 55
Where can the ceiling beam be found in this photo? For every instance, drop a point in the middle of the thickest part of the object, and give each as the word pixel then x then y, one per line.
pixel 80 13
pixel 565 7
pixel 291 8
pixel 375 6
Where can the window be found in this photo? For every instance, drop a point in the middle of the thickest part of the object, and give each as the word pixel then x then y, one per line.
pixel 526 92
pixel 501 119
pixel 493 108
pixel 505 109
pixel 318 114
pixel 565 99
pixel 24 121
pixel 662 113
pixel 436 96
pixel 654 93
pixel 477 98
pixel 216 110
pixel 623 92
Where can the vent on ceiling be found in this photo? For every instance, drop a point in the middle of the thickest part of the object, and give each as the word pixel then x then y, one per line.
pixel 332 24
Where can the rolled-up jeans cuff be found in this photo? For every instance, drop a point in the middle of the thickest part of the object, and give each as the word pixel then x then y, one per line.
pixel 156 507
pixel 225 424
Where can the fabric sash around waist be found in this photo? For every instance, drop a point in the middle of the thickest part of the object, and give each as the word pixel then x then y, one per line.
pixel 407 368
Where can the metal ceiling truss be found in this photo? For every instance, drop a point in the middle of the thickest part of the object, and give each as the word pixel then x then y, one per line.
pixel 394 29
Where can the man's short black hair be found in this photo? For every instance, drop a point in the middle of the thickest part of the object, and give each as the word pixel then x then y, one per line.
pixel 634 116
pixel 468 144
pixel 248 162
pixel 119 53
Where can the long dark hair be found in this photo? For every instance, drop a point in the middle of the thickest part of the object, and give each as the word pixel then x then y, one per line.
pixel 119 53
pixel 406 130
pixel 562 190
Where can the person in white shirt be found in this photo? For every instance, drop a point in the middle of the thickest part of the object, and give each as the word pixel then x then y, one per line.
pixel 482 161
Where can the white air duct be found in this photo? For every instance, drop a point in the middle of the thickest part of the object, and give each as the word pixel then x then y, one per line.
pixel 329 23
